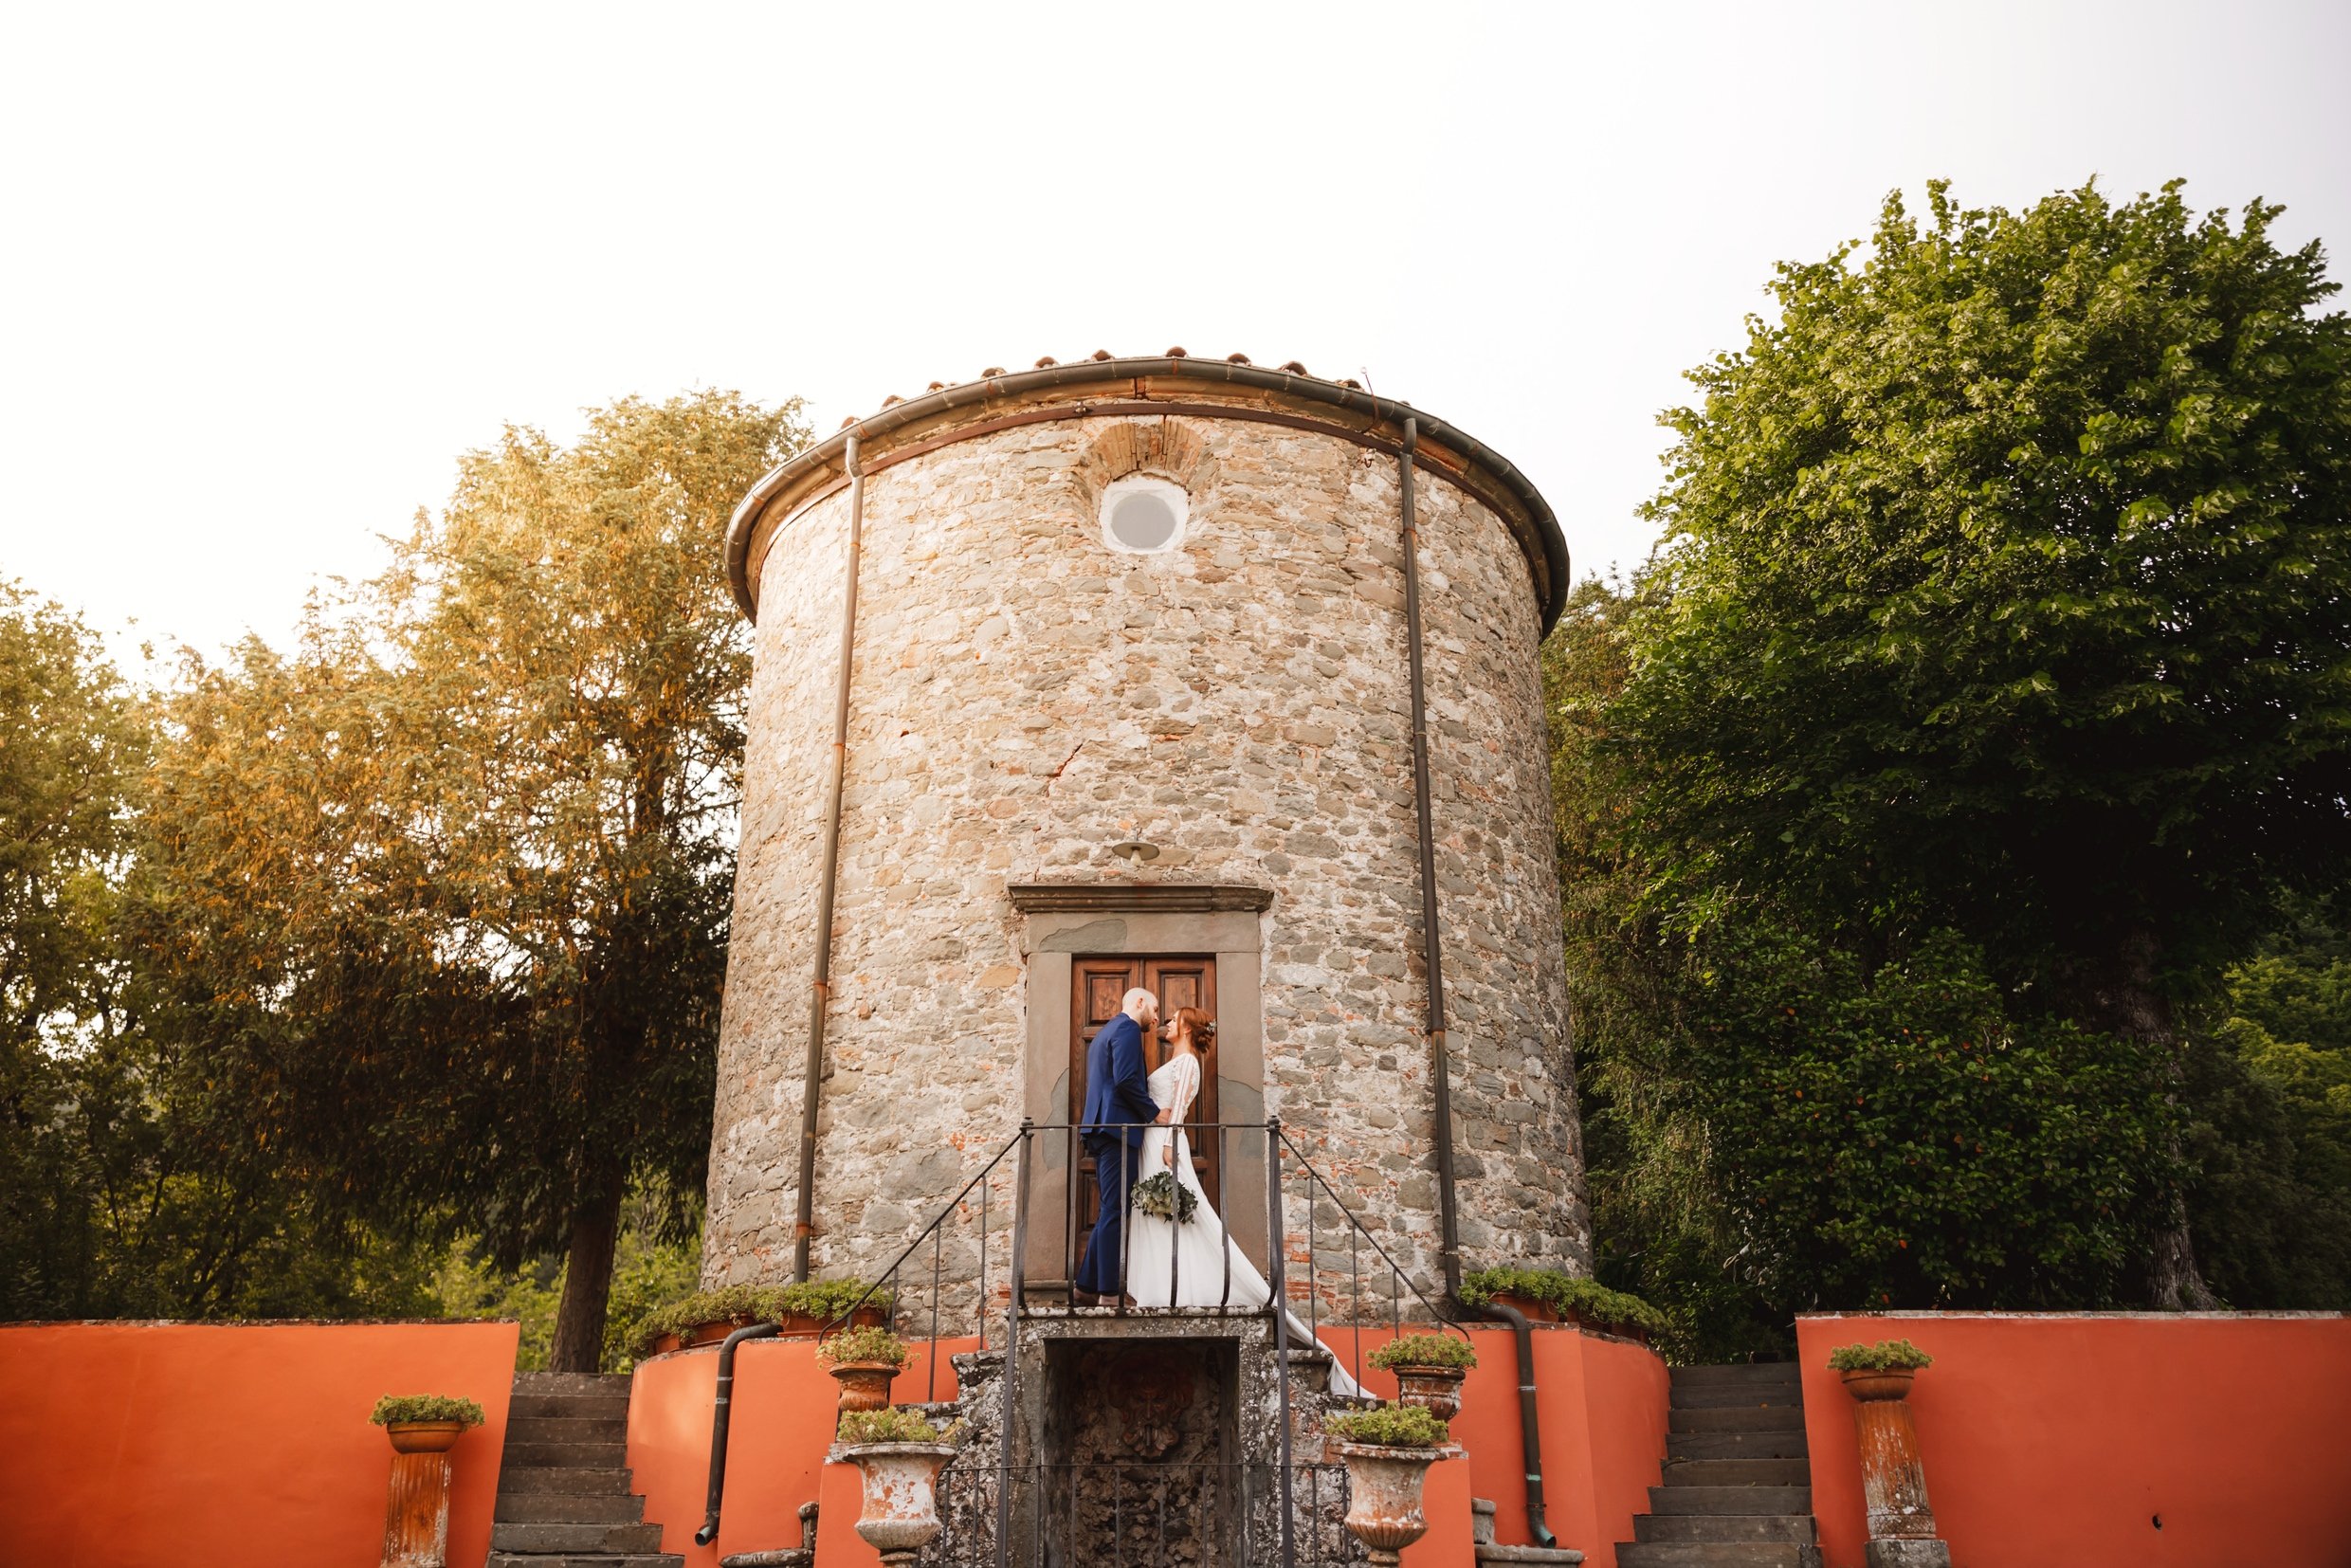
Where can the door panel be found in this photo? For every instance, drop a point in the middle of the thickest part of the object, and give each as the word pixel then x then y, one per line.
pixel 1097 986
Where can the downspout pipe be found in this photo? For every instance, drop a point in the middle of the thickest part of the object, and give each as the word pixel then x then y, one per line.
pixel 820 991
pixel 1440 1061
pixel 1440 1065
pixel 718 1417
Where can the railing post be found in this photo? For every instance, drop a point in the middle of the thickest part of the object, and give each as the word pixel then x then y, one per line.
pixel 1008 1412
pixel 1277 1279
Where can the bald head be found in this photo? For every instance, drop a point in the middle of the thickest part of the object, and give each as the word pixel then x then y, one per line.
pixel 1140 1006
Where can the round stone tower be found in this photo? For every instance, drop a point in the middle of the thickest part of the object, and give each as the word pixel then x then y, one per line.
pixel 1130 701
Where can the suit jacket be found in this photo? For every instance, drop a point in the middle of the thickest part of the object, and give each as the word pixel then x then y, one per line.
pixel 1117 1088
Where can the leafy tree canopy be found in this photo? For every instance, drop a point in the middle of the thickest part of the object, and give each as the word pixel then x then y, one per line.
pixel 2008 586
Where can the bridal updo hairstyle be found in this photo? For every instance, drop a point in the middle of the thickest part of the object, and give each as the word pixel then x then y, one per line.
pixel 1192 1021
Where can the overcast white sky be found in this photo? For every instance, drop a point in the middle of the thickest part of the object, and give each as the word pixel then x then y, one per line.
pixel 269 272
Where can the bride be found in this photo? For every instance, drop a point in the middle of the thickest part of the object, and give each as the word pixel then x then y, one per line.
pixel 1171 1263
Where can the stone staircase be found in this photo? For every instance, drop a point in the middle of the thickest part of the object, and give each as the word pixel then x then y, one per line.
pixel 1738 1485
pixel 563 1497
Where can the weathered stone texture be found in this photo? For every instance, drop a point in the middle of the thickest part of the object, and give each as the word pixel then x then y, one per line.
pixel 1023 698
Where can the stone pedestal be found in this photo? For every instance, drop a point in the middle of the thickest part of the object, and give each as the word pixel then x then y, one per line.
pixel 416 1512
pixel 1893 1479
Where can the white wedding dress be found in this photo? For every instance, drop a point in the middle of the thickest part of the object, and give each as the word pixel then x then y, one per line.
pixel 1170 1264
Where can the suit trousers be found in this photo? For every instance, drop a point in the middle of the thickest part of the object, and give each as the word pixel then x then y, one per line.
pixel 1115 1163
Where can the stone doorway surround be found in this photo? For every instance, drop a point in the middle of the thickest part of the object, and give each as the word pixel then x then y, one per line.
pixel 1063 920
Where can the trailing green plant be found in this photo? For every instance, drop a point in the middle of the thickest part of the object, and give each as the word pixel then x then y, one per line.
pixel 425 1407
pixel 822 1300
pixel 1590 1301
pixel 1425 1350
pixel 853 1345
pixel 896 1424
pixel 1390 1427
pixel 1886 1356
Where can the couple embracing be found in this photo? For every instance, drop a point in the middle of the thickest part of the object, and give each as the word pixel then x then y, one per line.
pixel 1133 1128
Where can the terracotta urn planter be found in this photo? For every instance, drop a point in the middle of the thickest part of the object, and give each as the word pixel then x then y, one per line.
pixel 1534 1311
pixel 864 1385
pixel 1893 1477
pixel 900 1512
pixel 423 1436
pixel 1436 1390
pixel 1383 1494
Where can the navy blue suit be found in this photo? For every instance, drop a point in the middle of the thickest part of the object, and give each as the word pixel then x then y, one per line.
pixel 1116 1090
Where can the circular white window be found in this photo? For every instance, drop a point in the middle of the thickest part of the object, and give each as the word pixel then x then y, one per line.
pixel 1142 515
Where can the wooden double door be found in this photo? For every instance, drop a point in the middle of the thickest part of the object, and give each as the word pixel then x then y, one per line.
pixel 1096 988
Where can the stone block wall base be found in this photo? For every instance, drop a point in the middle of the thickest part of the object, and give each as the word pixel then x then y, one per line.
pixel 1908 1553
pixel 1566 1556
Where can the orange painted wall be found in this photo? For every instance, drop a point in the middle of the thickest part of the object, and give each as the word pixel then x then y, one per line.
pixel 2055 1440
pixel 781 1425
pixel 1601 1405
pixel 136 1444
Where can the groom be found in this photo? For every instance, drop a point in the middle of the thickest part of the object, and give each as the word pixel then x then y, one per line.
pixel 1118 1106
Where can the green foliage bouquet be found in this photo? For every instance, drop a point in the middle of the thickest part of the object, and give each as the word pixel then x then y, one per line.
pixel 425 1407
pixel 1425 1350
pixel 1165 1197
pixel 896 1424
pixel 1886 1356
pixel 863 1345
pixel 1390 1427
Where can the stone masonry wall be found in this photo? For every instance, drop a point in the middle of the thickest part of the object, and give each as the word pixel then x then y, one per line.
pixel 1023 698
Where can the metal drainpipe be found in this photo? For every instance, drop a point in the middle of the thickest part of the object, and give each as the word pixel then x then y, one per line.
pixel 1530 1432
pixel 820 990
pixel 718 1418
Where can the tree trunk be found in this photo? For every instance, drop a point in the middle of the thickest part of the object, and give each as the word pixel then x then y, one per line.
pixel 586 1284
pixel 2127 999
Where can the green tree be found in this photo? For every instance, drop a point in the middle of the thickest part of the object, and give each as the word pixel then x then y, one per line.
pixel 2005 592
pixel 444 892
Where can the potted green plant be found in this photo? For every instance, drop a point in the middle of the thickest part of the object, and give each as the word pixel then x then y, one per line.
pixel 1428 1369
pixel 864 1362
pixel 425 1423
pixel 1387 1452
pixel 1551 1295
pixel 800 1311
pixel 898 1453
pixel 1882 1371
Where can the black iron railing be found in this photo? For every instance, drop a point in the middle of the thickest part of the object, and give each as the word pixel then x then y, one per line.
pixel 1392 1296
pixel 1140 1514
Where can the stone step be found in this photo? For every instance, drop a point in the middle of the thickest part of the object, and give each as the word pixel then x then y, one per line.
pixel 1786 1444
pixel 1746 1375
pixel 1737 1418
pixel 570 1407
pixel 532 1430
pixel 1731 1500
pixel 569 1508
pixel 1712 1554
pixel 586 1559
pixel 575 1537
pixel 567 1455
pixel 1795 1527
pixel 1739 1473
pixel 572 1382
pixel 515 1479
pixel 1726 1396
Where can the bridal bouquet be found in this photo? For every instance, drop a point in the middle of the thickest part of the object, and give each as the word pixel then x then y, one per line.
pixel 1164 1197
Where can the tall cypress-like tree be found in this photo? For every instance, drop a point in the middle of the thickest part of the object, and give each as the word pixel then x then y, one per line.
pixel 2007 590
pixel 448 888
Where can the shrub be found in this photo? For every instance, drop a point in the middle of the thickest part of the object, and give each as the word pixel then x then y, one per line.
pixel 1390 1427
pixel 824 1301
pixel 1886 1356
pixel 1425 1350
pixel 425 1407
pixel 896 1424
pixel 1563 1294
pixel 863 1344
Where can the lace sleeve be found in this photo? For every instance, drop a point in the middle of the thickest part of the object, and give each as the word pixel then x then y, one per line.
pixel 1187 1090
